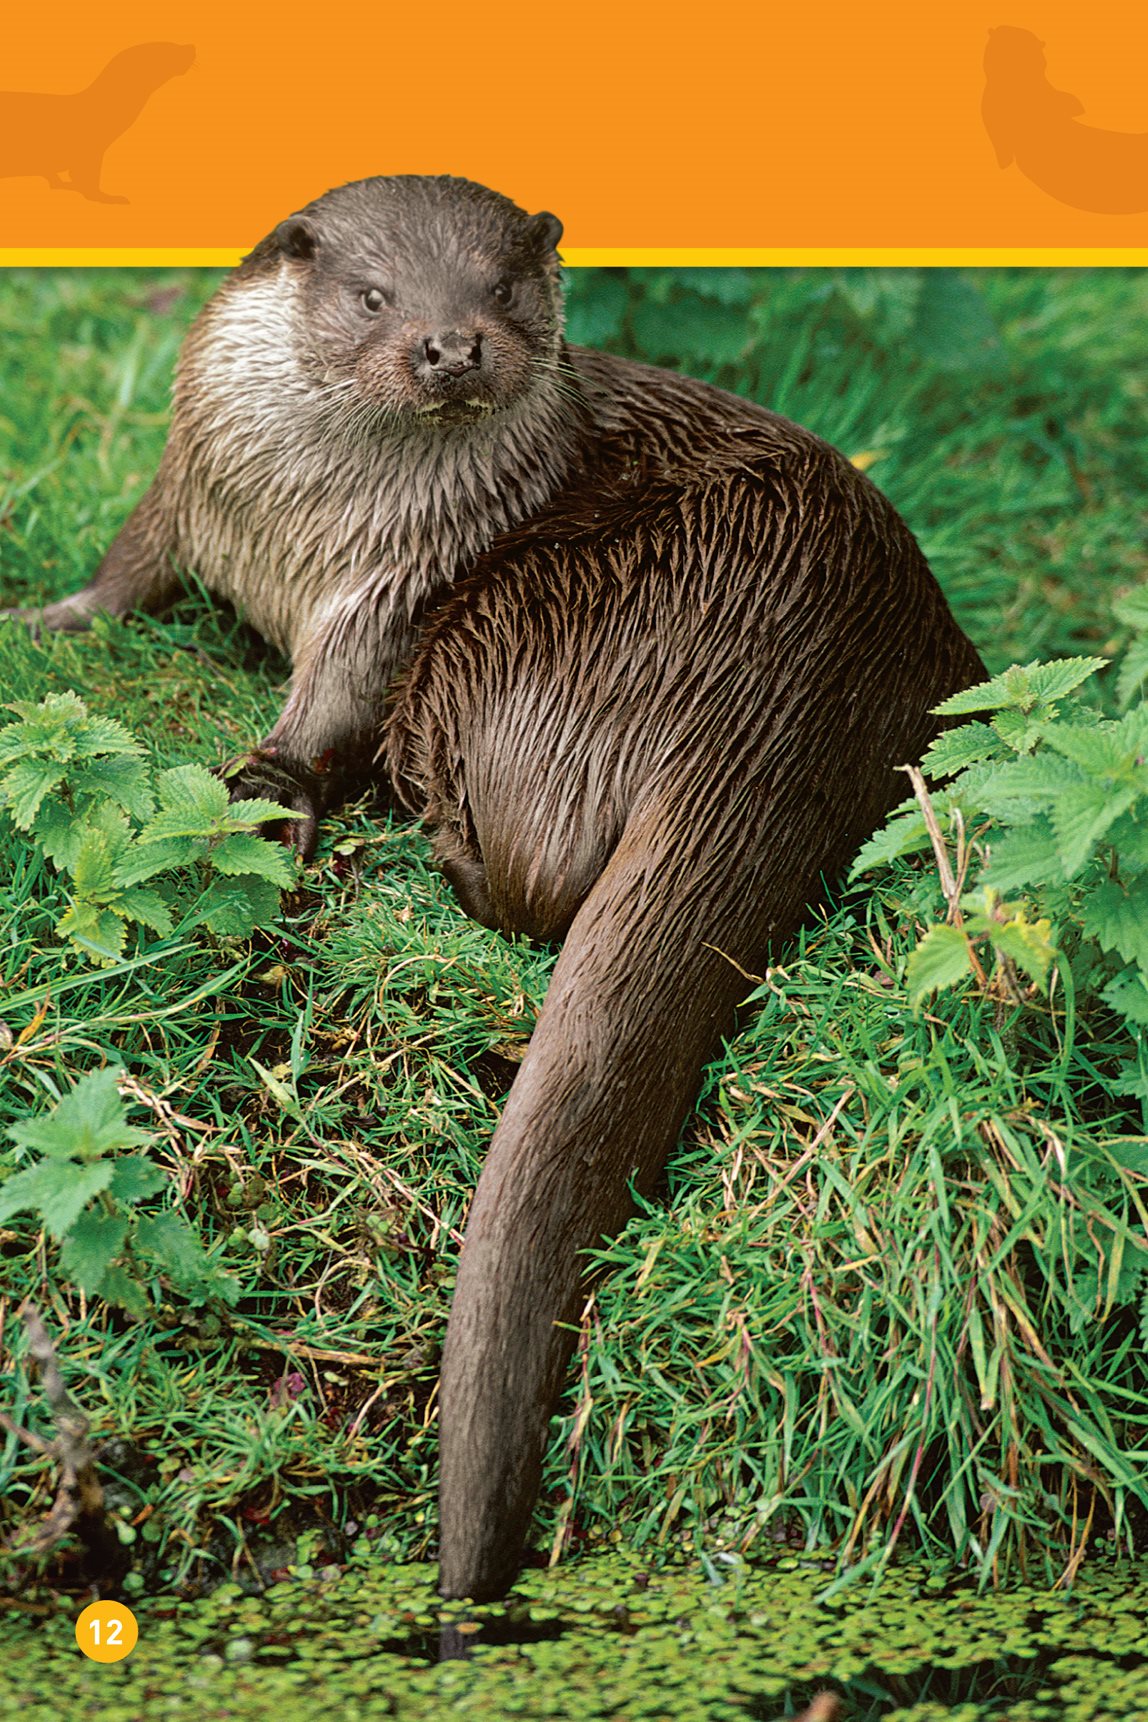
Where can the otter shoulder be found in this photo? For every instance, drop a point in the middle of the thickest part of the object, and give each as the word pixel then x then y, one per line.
pixel 678 423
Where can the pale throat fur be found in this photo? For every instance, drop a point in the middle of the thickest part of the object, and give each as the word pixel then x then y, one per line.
pixel 266 446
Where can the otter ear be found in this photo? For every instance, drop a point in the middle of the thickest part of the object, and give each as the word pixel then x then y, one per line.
pixel 297 237
pixel 545 230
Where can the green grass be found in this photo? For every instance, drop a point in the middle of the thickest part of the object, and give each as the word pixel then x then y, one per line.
pixel 892 1295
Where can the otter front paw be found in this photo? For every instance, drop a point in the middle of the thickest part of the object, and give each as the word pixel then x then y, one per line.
pixel 70 616
pixel 262 776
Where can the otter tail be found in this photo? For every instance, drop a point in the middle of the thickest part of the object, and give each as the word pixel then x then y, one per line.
pixel 640 996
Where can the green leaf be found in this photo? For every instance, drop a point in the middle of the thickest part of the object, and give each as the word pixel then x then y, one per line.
pixel 1022 686
pixel 104 735
pixel 904 833
pixel 92 869
pixel 171 1241
pixel 1117 917
pixel 192 802
pixel 91 1247
pixel 1060 676
pixel 147 857
pixel 1128 995
pixel 134 1178
pixel 968 744
pixel 120 1287
pixel 1019 730
pixel 1107 749
pixel 244 852
pixel 57 1191
pixel 26 784
pixel 941 958
pixel 147 907
pixel 1040 779
pixel 99 933
pixel 88 1121
pixel 127 782
pixel 243 814
pixel 1081 814
pixel 1024 856
pixel 235 907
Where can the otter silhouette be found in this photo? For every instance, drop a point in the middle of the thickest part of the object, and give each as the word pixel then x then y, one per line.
pixel 1037 127
pixel 48 136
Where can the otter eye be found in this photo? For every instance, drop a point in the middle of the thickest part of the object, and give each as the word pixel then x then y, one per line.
pixel 502 292
pixel 373 300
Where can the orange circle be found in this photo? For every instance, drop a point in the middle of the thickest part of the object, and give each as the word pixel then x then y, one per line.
pixel 107 1631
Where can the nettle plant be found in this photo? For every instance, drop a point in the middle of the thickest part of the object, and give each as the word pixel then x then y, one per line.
pixel 94 1192
pixel 165 850
pixel 1040 833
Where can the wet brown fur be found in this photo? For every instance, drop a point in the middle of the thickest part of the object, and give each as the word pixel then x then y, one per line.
pixel 680 647
pixel 653 723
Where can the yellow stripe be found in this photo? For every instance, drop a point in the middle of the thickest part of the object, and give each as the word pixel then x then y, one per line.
pixel 653 256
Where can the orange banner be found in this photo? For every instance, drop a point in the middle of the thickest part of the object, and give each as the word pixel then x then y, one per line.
pixel 189 130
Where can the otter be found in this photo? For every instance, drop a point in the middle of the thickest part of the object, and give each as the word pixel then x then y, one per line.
pixel 1037 126
pixel 642 655
pixel 49 135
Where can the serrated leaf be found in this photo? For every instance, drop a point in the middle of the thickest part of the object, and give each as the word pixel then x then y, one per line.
pixel 134 1178
pixel 1022 686
pixel 99 933
pixel 147 907
pixel 1019 730
pixel 1104 750
pixel 234 907
pixel 92 868
pixel 1117 918
pixel 968 744
pixel 1060 676
pixel 147 857
pixel 1128 835
pixel 1128 995
pixel 904 833
pixel 120 1287
pixel 1081 814
pixel 1036 779
pixel 191 802
pixel 1023 857
pixel 56 1191
pixel 244 852
pixel 25 785
pixel 243 814
pixel 171 1241
pixel 104 735
pixel 90 1248
pixel 941 959
pixel 124 781
pixel 88 1121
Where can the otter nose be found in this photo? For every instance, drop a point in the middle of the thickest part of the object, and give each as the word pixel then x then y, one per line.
pixel 454 353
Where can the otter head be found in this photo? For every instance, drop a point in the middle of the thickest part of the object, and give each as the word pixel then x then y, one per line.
pixel 427 300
